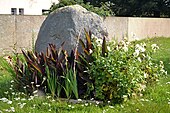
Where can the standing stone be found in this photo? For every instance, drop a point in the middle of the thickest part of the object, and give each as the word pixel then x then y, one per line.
pixel 64 24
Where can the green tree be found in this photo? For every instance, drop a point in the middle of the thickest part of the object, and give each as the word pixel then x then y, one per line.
pixel 102 9
pixel 147 8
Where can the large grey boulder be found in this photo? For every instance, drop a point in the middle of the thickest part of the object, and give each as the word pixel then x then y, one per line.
pixel 64 24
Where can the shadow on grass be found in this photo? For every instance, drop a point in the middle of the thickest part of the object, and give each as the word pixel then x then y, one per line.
pixel 4 84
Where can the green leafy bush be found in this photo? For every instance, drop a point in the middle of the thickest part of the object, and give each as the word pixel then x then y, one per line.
pixel 123 71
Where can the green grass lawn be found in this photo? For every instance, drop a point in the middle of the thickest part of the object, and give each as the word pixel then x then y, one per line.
pixel 156 99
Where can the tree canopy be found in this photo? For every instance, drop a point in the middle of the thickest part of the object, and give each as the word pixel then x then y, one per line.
pixel 139 8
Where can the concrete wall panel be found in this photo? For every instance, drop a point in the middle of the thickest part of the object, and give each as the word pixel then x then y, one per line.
pixel 27 28
pixel 7 33
pixel 148 27
pixel 117 27
pixel 21 31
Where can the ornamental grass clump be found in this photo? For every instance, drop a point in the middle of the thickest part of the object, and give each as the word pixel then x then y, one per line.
pixel 44 72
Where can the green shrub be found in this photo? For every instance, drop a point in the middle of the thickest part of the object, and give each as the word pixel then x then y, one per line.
pixel 124 71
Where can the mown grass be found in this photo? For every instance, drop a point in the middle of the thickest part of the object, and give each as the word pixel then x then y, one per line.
pixel 156 98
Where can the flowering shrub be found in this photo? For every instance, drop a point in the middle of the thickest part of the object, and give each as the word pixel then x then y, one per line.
pixel 124 71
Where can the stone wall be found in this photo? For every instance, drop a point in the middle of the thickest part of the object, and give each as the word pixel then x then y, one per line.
pixel 117 27
pixel 137 28
pixel 148 27
pixel 18 31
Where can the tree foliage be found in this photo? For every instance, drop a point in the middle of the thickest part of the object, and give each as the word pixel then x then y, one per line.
pixel 146 8
pixel 151 8
pixel 102 10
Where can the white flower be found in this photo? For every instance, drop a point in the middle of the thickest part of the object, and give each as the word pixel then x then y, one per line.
pixel 6 92
pixel 69 106
pixel 44 78
pixel 90 51
pixel 34 106
pixel 86 104
pixel 124 96
pixel 125 48
pixel 32 82
pixel 45 103
pixel 92 99
pixel 104 111
pixel 142 87
pixel 139 59
pixel 111 107
pixel 4 99
pixel 136 53
pixel 161 62
pixel 31 98
pixel 7 110
pixel 12 109
pixel 169 102
pixel 97 102
pixel 94 37
pixel 48 97
pixel 145 75
pixel 125 38
pixel 17 98
pixel 154 47
pixel 141 47
pixel 168 83
pixel 9 102
pixel 108 48
pixel 37 85
pixel 144 100
pixel 35 92
pixel 49 104
pixel 144 55
pixel 22 105
pixel 79 100
pixel 99 42
pixel 23 99
pixel 121 106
